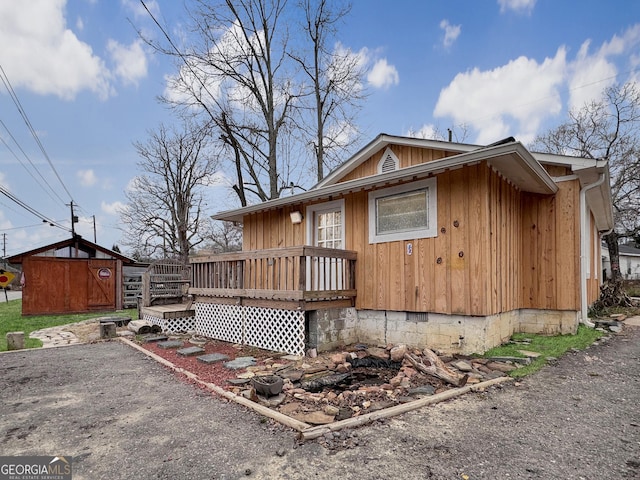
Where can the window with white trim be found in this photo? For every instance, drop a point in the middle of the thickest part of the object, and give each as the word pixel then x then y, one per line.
pixel 405 212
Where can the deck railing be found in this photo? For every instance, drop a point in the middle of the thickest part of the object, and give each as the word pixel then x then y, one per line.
pixel 300 273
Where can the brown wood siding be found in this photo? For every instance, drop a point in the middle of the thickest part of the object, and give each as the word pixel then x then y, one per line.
pixel 407 156
pixel 551 249
pixel 61 285
pixel 509 250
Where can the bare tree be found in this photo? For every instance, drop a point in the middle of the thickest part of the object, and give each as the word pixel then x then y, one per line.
pixel 608 129
pixel 223 237
pixel 239 69
pixel 237 73
pixel 336 77
pixel 165 203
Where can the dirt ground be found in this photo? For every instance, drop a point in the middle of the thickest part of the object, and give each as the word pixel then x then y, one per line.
pixel 121 415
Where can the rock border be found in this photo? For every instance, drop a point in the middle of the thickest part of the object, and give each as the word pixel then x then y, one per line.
pixel 305 430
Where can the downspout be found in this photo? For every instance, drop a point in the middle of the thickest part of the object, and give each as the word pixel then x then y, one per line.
pixel 584 247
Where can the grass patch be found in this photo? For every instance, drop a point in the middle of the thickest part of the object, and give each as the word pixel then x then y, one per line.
pixel 546 346
pixel 11 320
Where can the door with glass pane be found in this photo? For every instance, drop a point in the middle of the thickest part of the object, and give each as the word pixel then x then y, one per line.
pixel 326 230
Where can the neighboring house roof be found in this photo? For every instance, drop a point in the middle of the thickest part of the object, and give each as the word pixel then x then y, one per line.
pixel 629 250
pixel 511 159
pixel 71 242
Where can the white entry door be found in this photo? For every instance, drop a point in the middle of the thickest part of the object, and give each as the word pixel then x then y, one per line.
pixel 325 228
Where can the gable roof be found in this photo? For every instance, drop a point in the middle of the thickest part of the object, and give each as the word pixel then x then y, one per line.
pixel 70 242
pixel 382 141
pixel 510 159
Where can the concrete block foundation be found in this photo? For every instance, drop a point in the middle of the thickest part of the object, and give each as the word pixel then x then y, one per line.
pixel 464 334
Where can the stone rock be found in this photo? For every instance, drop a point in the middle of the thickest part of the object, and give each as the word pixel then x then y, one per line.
pixel 273 401
pixel 240 362
pixel 409 372
pixel 397 353
pixel 501 367
pixel 338 358
pixel 15 340
pixel 291 358
pixel 615 328
pixel 246 375
pixel 290 408
pixel 377 352
pixel 529 354
pixel 462 365
pixel 396 381
pixel 423 390
pixel 524 361
pixel 293 375
pixel 315 418
pixel 366 404
pixel 238 381
pixel 331 410
pixel 343 368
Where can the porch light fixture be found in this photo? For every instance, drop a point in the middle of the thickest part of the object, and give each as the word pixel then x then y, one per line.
pixel 296 217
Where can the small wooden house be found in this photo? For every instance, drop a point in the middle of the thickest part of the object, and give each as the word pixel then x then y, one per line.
pixel 71 276
pixel 423 242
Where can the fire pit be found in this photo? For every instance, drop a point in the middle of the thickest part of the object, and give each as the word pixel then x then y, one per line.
pixel 268 385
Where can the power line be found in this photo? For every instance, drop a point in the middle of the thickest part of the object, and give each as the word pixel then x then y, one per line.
pixel 30 209
pixel 23 113
pixel 25 167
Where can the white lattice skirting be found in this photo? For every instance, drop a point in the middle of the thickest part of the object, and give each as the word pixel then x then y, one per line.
pixel 172 325
pixel 269 328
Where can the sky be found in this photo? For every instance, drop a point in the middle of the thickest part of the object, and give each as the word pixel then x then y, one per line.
pixel 79 88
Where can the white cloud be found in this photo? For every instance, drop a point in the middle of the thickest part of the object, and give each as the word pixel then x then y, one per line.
pixel 87 177
pixel 518 6
pixel 79 24
pixel 39 52
pixel 383 75
pixel 130 61
pixel 451 32
pixel 523 90
pixel 113 208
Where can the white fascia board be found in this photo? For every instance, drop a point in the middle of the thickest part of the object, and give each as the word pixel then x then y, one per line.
pixel 512 160
pixel 382 141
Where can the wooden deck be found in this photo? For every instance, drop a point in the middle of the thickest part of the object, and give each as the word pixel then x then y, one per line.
pixel 295 277
pixel 169 312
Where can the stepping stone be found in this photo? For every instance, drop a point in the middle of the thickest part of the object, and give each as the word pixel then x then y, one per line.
pixel 240 362
pixel 171 344
pixel 154 338
pixel 213 358
pixel 189 351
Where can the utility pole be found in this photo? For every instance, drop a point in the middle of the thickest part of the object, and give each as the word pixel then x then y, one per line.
pixel 4 249
pixel 94 229
pixel 74 220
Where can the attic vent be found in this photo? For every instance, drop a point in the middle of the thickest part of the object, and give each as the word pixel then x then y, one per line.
pixel 388 162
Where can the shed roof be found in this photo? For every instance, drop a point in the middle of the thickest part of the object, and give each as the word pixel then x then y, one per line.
pixel 70 242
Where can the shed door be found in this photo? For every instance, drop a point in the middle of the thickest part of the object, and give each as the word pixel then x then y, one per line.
pixel 101 284
pixel 326 229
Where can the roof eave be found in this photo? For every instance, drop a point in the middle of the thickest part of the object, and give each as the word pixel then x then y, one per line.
pixel 511 160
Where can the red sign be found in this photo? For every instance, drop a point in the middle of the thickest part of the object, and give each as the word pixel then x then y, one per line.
pixel 104 273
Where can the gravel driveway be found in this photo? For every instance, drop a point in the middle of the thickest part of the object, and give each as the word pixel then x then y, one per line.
pixel 121 415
